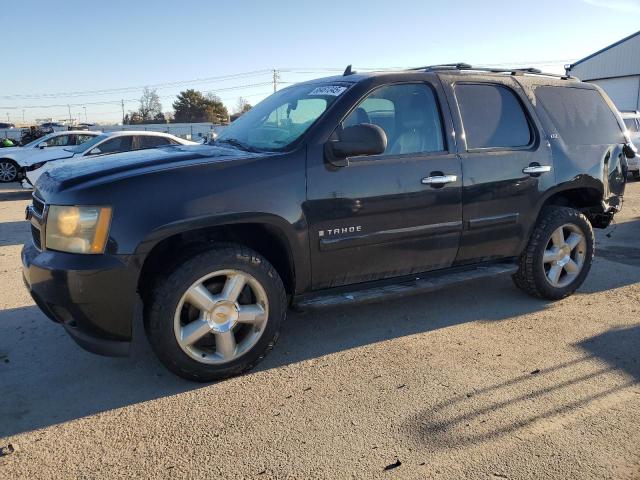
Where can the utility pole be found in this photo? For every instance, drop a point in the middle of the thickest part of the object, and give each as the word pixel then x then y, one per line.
pixel 8 118
pixel 85 114
pixel 23 115
pixel 276 77
pixel 69 107
pixel 122 102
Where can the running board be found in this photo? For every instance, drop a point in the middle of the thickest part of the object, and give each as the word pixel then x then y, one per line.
pixel 406 287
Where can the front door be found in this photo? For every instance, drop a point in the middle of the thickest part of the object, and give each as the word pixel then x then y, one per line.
pixel 392 214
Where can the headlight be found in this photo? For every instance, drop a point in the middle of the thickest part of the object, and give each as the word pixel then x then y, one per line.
pixel 77 229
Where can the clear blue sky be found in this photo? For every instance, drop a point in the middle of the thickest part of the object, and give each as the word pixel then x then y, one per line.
pixel 77 46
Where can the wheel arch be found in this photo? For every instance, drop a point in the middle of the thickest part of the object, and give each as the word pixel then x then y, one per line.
pixel 167 250
pixel 588 197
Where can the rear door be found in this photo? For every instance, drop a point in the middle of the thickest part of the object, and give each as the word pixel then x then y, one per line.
pixel 378 217
pixel 506 164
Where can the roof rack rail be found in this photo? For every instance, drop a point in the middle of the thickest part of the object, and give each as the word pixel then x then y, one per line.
pixel 512 71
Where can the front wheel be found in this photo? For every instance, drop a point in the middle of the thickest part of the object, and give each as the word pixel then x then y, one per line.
pixel 216 315
pixel 558 256
pixel 8 171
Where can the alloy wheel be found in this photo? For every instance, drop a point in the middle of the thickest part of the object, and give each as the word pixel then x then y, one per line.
pixel 221 316
pixel 8 172
pixel 564 255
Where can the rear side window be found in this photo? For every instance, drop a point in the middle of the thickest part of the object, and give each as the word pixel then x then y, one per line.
pixel 580 115
pixel 80 139
pixel 152 142
pixel 492 116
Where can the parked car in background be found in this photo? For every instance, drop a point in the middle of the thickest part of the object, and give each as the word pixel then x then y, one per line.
pixel 632 122
pixel 52 125
pixel 83 126
pixel 15 161
pixel 106 143
pixel 4 125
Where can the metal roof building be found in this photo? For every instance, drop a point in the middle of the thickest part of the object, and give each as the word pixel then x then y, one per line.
pixel 616 69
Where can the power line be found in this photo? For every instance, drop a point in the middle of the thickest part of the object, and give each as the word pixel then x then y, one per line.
pixel 125 89
pixel 117 102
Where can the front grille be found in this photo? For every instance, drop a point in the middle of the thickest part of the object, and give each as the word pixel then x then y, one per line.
pixel 38 205
pixel 36 237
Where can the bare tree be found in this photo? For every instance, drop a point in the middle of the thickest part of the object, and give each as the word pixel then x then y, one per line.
pixel 150 106
pixel 242 106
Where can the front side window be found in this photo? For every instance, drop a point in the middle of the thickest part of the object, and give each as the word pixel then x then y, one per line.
pixel 492 116
pixel 408 114
pixel 114 145
pixel 276 123
pixel 631 124
pixel 60 141
pixel 580 115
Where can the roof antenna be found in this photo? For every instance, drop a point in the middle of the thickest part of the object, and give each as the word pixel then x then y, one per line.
pixel 348 71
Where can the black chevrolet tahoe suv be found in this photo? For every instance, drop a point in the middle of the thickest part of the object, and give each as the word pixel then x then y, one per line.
pixel 344 189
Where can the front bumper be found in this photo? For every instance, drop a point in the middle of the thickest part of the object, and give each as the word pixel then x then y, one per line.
pixel 92 296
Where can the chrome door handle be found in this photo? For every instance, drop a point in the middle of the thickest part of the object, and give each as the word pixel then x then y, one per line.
pixel 439 179
pixel 536 169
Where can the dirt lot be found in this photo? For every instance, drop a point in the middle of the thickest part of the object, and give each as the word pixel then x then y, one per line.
pixel 473 382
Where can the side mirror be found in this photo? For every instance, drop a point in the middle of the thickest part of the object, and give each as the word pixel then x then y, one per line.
pixel 42 145
pixel 629 150
pixel 361 139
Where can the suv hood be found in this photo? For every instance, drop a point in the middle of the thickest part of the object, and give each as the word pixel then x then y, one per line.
pixel 73 171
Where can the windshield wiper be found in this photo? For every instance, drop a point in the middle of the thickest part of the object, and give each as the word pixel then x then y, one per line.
pixel 238 144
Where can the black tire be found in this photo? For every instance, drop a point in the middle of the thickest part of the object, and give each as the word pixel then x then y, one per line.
pixel 531 276
pixel 169 289
pixel 8 166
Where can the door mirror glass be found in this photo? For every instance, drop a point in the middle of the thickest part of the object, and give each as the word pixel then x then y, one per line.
pixel 42 145
pixel 361 139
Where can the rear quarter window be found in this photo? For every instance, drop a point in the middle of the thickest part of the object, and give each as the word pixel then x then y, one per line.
pixel 581 116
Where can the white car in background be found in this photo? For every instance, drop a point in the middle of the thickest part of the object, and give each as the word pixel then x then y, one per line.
pixel 15 161
pixel 107 143
pixel 632 121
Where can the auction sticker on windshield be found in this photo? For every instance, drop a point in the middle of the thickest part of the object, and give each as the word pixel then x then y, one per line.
pixel 333 90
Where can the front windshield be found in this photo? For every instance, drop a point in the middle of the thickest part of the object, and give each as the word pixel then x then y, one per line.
pixel 281 119
pixel 88 145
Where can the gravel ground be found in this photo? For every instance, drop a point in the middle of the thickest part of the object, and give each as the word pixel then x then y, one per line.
pixel 479 381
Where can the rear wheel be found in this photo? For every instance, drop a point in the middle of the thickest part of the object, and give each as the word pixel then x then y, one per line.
pixel 218 314
pixel 8 171
pixel 559 254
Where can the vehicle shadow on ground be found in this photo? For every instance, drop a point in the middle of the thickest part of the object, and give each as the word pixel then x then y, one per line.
pixel 14 233
pixel 47 379
pixel 609 367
